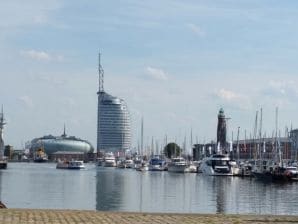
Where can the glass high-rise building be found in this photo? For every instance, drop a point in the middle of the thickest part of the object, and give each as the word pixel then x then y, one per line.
pixel 113 121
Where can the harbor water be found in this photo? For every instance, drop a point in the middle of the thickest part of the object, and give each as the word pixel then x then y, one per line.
pixel 33 185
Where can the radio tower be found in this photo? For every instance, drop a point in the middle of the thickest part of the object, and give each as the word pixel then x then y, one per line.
pixel 100 94
pixel 101 76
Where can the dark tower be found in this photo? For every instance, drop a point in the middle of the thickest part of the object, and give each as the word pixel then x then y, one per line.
pixel 221 129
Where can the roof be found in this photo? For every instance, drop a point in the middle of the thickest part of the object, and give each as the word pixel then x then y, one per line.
pixel 68 153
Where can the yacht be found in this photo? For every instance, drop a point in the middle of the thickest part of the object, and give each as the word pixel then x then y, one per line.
pixel 219 165
pixel 121 163
pixel 157 164
pixel 109 160
pixel 99 161
pixel 292 171
pixel 129 163
pixel 144 166
pixel 179 165
pixel 73 164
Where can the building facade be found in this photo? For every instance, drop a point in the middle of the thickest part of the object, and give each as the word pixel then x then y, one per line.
pixel 52 144
pixel 113 128
pixel 265 148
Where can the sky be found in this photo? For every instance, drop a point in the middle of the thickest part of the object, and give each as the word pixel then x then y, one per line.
pixel 175 63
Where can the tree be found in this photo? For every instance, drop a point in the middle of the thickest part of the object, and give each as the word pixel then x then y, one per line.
pixel 172 150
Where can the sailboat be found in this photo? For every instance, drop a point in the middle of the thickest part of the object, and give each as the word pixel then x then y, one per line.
pixel 271 169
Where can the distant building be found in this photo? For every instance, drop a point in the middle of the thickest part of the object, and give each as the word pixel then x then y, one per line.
pixel 113 121
pixel 266 148
pixel 52 144
pixel 8 151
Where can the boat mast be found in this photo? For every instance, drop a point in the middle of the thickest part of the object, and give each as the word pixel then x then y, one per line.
pixel 2 123
pixel 260 133
pixel 278 151
pixel 238 151
pixel 255 134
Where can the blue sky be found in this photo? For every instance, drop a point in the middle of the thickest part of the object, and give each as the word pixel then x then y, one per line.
pixel 174 62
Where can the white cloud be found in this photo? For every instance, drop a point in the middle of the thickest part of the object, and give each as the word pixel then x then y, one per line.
pixel 196 29
pixel 281 89
pixel 156 73
pixel 40 55
pixel 26 100
pixel 233 99
pixel 31 13
pixel 227 95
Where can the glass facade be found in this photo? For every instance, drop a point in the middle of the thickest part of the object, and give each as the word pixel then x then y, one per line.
pixel 52 144
pixel 113 124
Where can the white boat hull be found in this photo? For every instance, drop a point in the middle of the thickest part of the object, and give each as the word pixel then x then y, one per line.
pixel 208 170
pixel 219 165
pixel 73 165
pixel 109 163
pixel 156 168
pixel 179 168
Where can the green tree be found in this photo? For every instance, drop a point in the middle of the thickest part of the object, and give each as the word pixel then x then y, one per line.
pixel 172 150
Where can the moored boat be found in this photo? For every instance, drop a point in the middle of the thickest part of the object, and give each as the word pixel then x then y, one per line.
pixel 219 165
pixel 157 164
pixel 270 171
pixel 3 163
pixel 109 160
pixel 40 156
pixel 142 167
pixel 179 165
pixel 73 164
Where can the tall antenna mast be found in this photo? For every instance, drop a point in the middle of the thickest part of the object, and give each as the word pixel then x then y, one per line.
pixel 101 75
pixel 142 136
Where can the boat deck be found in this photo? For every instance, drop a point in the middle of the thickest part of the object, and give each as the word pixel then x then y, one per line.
pixel 26 216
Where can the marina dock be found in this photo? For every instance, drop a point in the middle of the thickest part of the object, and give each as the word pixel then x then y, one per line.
pixel 36 216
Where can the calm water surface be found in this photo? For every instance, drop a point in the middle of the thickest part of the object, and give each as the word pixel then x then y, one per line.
pixel 32 185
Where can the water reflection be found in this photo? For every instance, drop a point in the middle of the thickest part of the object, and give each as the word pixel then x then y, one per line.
pixel 43 186
pixel 219 186
pixel 109 188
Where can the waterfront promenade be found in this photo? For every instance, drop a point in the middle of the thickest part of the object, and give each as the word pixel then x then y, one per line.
pixel 36 216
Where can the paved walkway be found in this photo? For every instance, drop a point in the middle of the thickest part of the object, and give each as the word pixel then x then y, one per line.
pixel 29 216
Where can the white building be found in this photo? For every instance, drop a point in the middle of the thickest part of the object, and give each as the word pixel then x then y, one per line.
pixel 113 121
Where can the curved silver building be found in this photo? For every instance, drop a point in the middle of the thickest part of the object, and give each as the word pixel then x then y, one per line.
pixel 52 144
pixel 113 121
